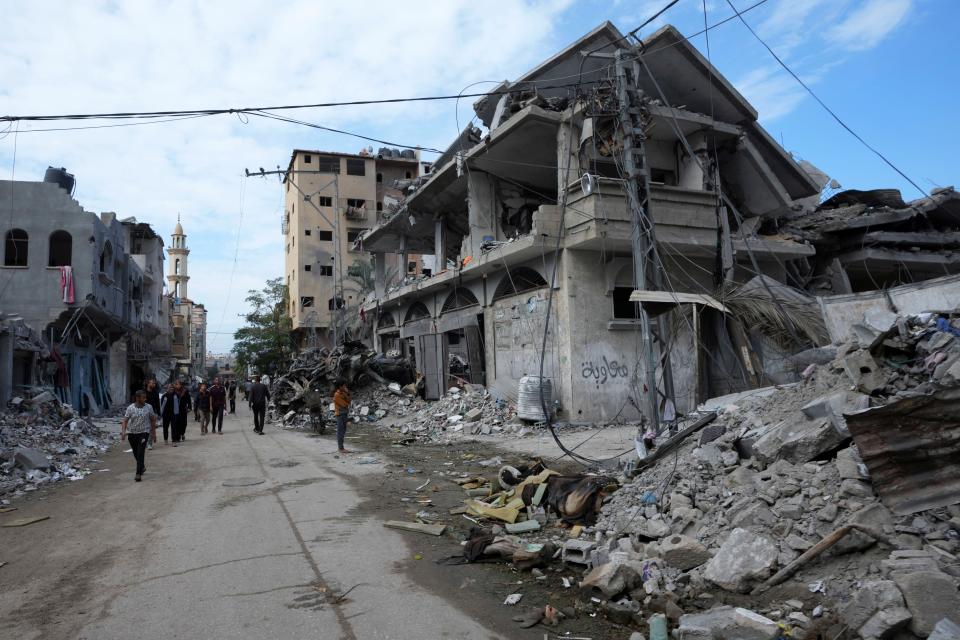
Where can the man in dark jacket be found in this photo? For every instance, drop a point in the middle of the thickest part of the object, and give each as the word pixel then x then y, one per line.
pixel 259 394
pixel 218 401
pixel 232 394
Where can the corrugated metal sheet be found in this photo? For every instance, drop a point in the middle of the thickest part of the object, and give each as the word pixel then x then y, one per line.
pixel 912 449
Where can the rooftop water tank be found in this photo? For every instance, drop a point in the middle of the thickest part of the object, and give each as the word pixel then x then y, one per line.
pixel 408 154
pixel 529 406
pixel 383 152
pixel 61 178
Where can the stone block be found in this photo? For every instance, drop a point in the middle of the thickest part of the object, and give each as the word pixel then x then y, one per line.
pixel 931 596
pixel 728 623
pixel 868 600
pixel 30 459
pixel 884 624
pixel 742 559
pixel 611 579
pixel 577 551
pixel 850 465
pixel 473 415
pixel 798 441
pixel 755 514
pixel 683 552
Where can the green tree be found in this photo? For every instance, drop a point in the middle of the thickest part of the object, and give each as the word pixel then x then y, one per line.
pixel 265 342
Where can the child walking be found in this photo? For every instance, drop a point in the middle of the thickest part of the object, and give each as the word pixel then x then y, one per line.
pixel 341 403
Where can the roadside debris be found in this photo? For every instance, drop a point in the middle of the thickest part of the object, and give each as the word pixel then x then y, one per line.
pixel 43 441
pixel 22 522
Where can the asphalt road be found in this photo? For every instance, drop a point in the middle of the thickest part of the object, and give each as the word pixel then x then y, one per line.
pixel 180 555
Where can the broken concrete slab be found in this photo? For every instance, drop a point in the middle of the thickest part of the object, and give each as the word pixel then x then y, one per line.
pixel 865 373
pixel 742 559
pixel 522 527
pixel 611 579
pixel 833 406
pixel 871 598
pixel 31 459
pixel 416 527
pixel 728 623
pixel 909 561
pixel 884 624
pixel 683 552
pixel 473 415
pixel 798 441
pixel 945 630
pixel 931 596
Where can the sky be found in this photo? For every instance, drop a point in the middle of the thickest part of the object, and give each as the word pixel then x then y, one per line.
pixel 887 68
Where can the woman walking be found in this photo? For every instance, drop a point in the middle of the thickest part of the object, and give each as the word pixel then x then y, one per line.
pixel 203 402
pixel 169 404
pixel 139 426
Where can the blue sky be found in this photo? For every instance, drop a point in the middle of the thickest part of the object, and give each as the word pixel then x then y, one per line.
pixel 887 67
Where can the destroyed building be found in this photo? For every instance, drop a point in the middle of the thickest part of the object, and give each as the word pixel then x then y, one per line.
pixel 543 190
pixel 89 286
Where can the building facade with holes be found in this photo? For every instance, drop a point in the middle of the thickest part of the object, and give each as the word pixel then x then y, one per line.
pixel 331 199
pixel 73 277
pixel 536 197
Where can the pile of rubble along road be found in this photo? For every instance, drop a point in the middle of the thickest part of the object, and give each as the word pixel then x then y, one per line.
pixel 43 441
pixel 317 369
pixel 824 509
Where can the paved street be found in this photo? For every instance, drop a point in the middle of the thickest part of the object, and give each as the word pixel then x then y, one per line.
pixel 180 555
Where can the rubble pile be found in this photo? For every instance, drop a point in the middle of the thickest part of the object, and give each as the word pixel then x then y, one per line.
pixel 43 441
pixel 317 369
pixel 771 506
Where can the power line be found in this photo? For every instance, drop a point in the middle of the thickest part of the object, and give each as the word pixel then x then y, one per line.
pixel 822 103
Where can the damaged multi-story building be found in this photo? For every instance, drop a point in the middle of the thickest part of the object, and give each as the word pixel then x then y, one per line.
pixel 601 143
pixel 83 295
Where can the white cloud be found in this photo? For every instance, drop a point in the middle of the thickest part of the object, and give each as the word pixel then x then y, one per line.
pixel 871 23
pixel 153 55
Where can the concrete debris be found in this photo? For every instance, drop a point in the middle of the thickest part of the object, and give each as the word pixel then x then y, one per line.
pixel 930 596
pixel 43 441
pixel 743 559
pixel 683 552
pixel 728 623
pixel 945 630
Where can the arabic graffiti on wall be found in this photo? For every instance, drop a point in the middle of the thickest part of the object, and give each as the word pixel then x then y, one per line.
pixel 604 370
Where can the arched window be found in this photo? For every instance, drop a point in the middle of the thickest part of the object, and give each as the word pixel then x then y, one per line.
pixel 176 267
pixel 386 320
pixel 15 249
pixel 517 281
pixel 61 249
pixel 176 291
pixel 459 299
pixel 417 311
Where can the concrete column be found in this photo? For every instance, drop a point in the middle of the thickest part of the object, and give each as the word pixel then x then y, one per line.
pixel 483 208
pixel 402 266
pixel 691 174
pixel 439 246
pixel 379 275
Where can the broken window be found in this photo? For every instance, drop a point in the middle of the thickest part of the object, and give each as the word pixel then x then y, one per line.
pixel 379 206
pixel 328 164
pixel 335 303
pixel 326 270
pixel 379 177
pixel 307 158
pixel 307 267
pixel 356 203
pixel 325 236
pixel 106 258
pixel 306 232
pixel 356 167
pixel 61 249
pixel 411 267
pixel 663 176
pixel 324 201
pixel 352 236
pixel 623 309
pixel 408 175
pixel 15 251
pixel 306 301
pixel 517 281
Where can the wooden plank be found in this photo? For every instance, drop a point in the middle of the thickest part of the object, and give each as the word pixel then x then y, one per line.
pixel 7 509
pixel 22 522
pixel 416 527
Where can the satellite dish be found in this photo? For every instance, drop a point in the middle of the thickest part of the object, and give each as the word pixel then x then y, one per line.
pixel 588 184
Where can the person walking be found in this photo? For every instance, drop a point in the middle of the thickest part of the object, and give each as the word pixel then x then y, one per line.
pixel 203 399
pixel 218 401
pixel 168 407
pixel 232 394
pixel 259 394
pixel 195 397
pixel 153 399
pixel 248 385
pixel 341 405
pixel 139 426
pixel 181 412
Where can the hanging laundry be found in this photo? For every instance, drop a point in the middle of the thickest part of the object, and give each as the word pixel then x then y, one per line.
pixel 66 284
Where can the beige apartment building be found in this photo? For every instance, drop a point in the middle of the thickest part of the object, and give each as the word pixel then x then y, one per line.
pixel 330 200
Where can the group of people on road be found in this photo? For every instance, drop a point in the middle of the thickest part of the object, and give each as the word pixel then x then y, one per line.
pixel 172 407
